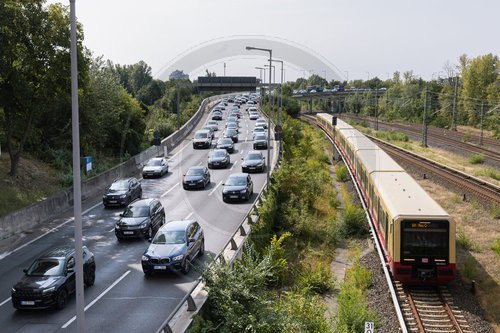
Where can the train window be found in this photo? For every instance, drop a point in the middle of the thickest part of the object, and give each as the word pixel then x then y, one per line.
pixel 424 238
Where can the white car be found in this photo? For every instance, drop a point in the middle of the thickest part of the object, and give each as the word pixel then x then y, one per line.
pixel 258 130
pixel 254 116
pixel 157 166
pixel 261 122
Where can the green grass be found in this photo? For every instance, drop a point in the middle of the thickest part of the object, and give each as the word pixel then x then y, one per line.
pixel 465 242
pixel 470 267
pixel 496 247
pixel 341 173
pixel 476 159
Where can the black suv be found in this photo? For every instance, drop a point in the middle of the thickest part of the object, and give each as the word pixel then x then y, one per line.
pixel 142 218
pixel 122 192
pixel 51 279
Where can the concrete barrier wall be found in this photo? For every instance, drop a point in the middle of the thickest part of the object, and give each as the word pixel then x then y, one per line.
pixel 39 212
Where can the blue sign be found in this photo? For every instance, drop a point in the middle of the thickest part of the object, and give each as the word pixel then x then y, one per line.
pixel 88 164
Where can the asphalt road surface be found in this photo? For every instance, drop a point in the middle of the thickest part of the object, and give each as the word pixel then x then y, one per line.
pixel 122 299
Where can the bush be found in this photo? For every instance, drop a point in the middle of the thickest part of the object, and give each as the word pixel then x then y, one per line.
pixel 317 281
pixel 465 242
pixel 492 173
pixel 341 173
pixel 496 247
pixel 476 159
pixel 353 222
pixel 352 311
pixel 466 137
pixel 359 276
pixel 308 313
pixel 495 211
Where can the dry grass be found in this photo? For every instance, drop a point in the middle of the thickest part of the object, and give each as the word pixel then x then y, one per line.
pixel 448 158
pixel 483 230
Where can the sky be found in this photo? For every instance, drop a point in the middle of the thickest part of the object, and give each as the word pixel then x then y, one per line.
pixel 362 38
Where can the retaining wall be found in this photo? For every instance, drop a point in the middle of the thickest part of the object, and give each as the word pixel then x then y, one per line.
pixel 45 210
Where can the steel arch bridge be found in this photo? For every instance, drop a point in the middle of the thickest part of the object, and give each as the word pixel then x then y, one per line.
pixel 209 52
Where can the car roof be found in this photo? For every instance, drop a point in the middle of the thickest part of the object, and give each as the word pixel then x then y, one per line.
pixel 254 152
pixel 220 150
pixel 176 225
pixel 203 131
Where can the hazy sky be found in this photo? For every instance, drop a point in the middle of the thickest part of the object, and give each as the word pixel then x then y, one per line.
pixel 366 38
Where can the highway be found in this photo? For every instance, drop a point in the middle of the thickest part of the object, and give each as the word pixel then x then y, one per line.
pixel 122 299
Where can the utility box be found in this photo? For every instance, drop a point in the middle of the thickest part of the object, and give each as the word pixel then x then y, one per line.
pixel 87 164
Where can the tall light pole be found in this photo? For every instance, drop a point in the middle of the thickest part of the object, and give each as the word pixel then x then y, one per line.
pixel 347 76
pixel 248 48
pixel 274 80
pixel 224 69
pixel 260 71
pixel 77 191
pixel 280 107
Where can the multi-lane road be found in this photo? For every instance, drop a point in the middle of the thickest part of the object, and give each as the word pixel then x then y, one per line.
pixel 122 299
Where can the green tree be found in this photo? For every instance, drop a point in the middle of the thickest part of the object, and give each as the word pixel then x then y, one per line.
pixel 35 47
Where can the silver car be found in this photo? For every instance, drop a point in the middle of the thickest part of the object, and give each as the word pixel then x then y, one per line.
pixel 156 167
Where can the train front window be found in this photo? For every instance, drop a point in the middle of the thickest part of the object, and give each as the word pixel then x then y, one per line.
pixel 424 239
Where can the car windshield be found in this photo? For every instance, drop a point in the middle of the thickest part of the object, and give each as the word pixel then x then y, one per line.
pixel 212 122
pixel 219 153
pixel 260 137
pixel 231 132
pixel 200 135
pixel 225 141
pixel 119 186
pixel 194 172
pixel 136 211
pixel 253 156
pixel 154 163
pixel 169 237
pixel 46 267
pixel 236 181
pixel 208 128
pixel 258 129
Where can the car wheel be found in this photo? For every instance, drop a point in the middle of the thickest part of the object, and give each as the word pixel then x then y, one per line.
pixel 187 266
pixel 247 196
pixel 119 239
pixel 147 273
pixel 140 194
pixel 89 277
pixel 127 201
pixel 61 298
pixel 150 233
pixel 202 248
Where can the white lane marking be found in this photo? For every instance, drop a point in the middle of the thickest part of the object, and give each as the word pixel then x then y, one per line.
pixel 189 215
pixel 98 297
pixel 5 254
pixel 7 300
pixel 211 192
pixel 233 165
pixel 164 194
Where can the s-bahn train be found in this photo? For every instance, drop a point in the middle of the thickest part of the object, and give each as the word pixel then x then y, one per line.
pixel 416 234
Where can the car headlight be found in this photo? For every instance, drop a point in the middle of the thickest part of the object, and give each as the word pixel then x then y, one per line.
pixel 117 226
pixel 13 289
pixel 260 164
pixel 179 257
pixel 48 290
pixel 200 181
pixel 243 191
pixel 144 258
pixel 144 225
pixel 123 196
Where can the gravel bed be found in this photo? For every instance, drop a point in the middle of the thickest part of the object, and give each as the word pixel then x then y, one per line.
pixel 379 297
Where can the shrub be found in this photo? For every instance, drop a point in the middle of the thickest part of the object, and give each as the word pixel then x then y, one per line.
pixel 466 137
pixel 318 280
pixel 496 247
pixel 308 313
pixel 495 211
pixel 470 267
pixel 359 276
pixel 341 173
pixel 353 222
pixel 492 173
pixel 465 242
pixel 352 310
pixel 476 159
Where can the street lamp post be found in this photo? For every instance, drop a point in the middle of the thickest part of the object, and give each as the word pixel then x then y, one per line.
pixel 274 81
pixel 248 48
pixel 77 192
pixel 280 107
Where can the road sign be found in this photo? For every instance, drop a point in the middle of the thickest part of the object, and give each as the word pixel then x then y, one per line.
pixel 369 327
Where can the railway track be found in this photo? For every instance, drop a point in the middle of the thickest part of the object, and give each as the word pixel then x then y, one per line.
pixel 430 309
pixel 472 185
pixel 442 137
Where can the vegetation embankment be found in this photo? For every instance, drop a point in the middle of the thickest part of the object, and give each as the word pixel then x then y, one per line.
pixel 121 106
pixel 280 283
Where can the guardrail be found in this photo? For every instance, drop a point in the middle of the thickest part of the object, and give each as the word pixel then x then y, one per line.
pixel 181 317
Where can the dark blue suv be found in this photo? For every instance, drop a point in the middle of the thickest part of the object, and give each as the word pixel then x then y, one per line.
pixel 173 248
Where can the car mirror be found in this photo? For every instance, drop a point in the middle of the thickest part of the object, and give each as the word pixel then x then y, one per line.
pixel 264 158
pixel 242 158
pixel 223 184
pixel 150 240
pixel 192 240
pixel 25 271
pixel 121 214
